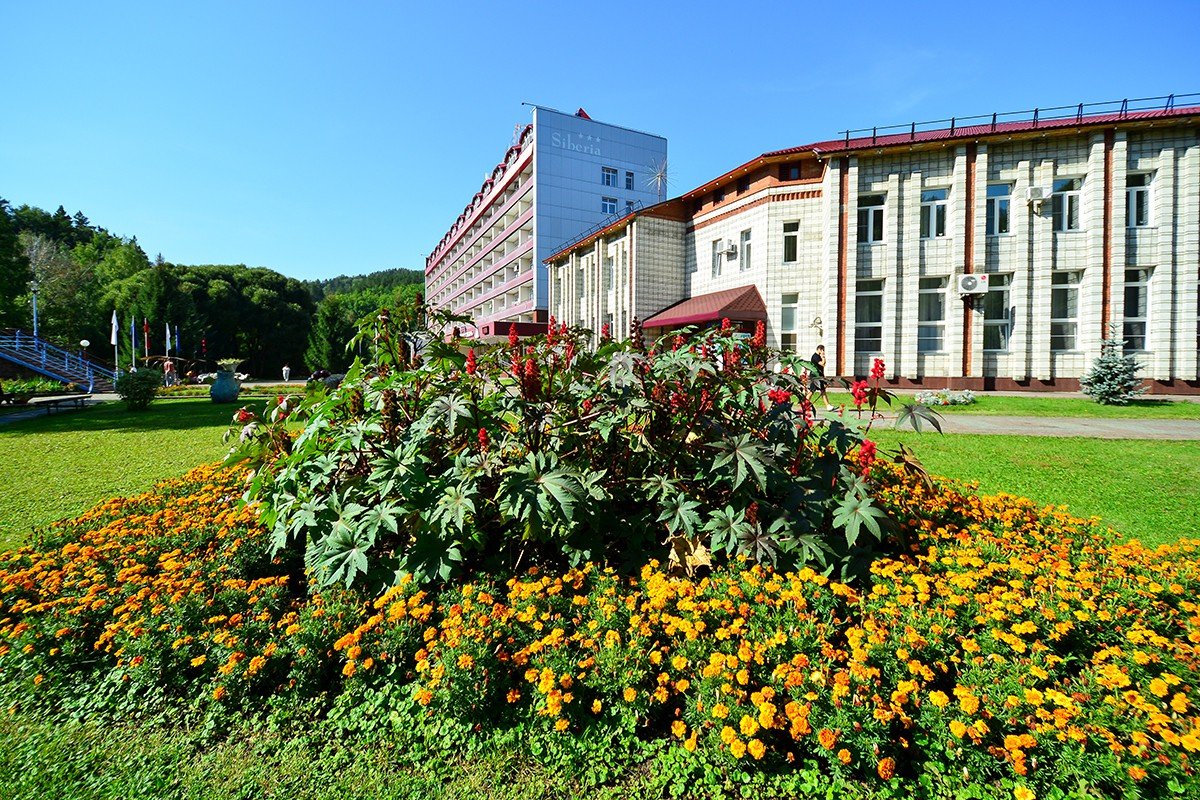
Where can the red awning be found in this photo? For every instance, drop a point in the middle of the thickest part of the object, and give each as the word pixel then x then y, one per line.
pixel 743 304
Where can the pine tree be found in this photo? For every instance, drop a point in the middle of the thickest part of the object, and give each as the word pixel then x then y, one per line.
pixel 14 272
pixel 1113 379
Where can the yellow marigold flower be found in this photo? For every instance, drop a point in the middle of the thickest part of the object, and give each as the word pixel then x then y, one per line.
pixel 958 728
pixel 198 660
pixel 597 706
pixel 728 734
pixel 679 728
pixel 886 768
pixel 720 711
pixel 424 697
pixel 466 661
pixel 1179 703
pixel 512 696
pixel 756 749
pixel 256 664
pixel 1137 773
pixel 738 748
pixel 743 677
pixel 561 725
pixel 827 738
pixel 349 669
pixel 679 663
pixel 1033 697
pixel 630 694
pixel 1190 742
pixel 1024 793
pixel 939 699
pixel 1159 687
pixel 844 756
pixel 748 725
pixel 219 693
pixel 689 743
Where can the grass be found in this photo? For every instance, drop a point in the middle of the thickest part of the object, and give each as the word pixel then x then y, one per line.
pixel 1146 489
pixel 62 464
pixel 72 761
pixel 1037 406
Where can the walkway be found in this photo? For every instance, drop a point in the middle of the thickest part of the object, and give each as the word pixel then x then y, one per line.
pixel 1073 426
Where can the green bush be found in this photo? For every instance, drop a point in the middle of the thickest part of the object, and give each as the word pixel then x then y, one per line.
pixel 138 389
pixel 545 452
pixel 32 386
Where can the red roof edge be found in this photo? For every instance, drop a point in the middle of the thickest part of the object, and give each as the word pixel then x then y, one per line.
pixel 582 113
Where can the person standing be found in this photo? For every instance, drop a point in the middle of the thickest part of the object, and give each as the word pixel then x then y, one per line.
pixel 817 381
pixel 287 373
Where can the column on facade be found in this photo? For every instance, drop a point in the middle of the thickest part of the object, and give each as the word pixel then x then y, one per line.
pixel 908 281
pixel 1089 331
pixel 1021 291
pixel 978 214
pixel 837 205
pixel 1187 252
pixel 1041 231
pixel 1117 243
pixel 956 231
pixel 1162 282
pixel 891 273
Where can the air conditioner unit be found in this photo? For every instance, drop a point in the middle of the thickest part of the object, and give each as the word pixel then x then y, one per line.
pixel 730 247
pixel 1035 194
pixel 972 284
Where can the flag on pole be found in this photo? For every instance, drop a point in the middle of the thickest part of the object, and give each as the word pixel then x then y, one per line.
pixel 113 339
pixel 132 340
pixel 177 348
pixel 146 336
pixel 168 353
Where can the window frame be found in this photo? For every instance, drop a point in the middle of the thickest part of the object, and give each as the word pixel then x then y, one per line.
pixel 745 245
pixel 861 296
pixel 628 181
pixel 873 214
pixel 1132 193
pixel 1063 202
pixel 1001 284
pixel 995 203
pixel 791 239
pixel 608 176
pixel 608 205
pixel 1144 319
pixel 789 336
pixel 940 293
pixel 935 204
pixel 718 257
pixel 1071 288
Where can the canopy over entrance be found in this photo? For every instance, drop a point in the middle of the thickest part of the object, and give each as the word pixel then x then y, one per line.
pixel 743 304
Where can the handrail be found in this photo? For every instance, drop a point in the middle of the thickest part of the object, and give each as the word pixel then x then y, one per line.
pixel 1122 108
pixel 54 362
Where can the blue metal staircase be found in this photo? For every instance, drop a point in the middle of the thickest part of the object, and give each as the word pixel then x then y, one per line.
pixel 38 355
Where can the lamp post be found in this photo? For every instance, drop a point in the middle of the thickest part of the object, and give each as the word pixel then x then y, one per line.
pixel 33 286
pixel 83 344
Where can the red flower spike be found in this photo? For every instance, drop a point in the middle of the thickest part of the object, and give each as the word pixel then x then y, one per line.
pixel 570 354
pixel 760 335
pixel 678 343
pixel 483 440
pixel 877 369
pixel 471 365
pixel 726 325
pixel 866 456
pixel 859 391
pixel 513 339
pixel 605 332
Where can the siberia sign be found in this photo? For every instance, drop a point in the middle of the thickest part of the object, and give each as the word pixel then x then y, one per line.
pixel 589 145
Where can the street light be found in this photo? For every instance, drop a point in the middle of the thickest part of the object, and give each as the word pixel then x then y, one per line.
pixel 33 286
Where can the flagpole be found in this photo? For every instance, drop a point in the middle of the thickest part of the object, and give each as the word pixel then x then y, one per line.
pixel 115 338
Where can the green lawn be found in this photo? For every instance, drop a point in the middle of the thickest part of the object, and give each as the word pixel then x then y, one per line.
pixel 1145 489
pixel 58 465
pixel 1037 406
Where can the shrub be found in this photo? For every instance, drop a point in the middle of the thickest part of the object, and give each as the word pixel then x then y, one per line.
pixel 138 389
pixel 31 386
pixel 1008 646
pixel 1112 379
pixel 542 452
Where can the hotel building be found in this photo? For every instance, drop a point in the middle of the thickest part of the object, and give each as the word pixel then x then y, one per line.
pixel 989 256
pixel 564 174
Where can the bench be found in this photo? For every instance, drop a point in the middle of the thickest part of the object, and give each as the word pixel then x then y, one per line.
pixel 52 403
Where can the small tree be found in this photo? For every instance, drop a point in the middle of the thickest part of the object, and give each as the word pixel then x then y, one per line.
pixel 138 389
pixel 1113 379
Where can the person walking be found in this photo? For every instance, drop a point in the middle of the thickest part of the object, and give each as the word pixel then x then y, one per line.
pixel 287 373
pixel 816 382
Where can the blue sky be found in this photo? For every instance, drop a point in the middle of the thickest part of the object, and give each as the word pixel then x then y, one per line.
pixel 318 140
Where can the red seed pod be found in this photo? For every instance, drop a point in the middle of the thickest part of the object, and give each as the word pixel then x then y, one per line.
pixel 760 335
pixel 483 440
pixel 471 365
pixel 513 339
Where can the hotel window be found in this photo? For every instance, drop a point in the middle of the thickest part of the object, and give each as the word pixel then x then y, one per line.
pixel 931 314
pixel 629 181
pixel 788 309
pixel 1137 200
pixel 610 267
pixel 719 195
pixel 1137 307
pixel 608 176
pixel 870 218
pixel 744 251
pixel 743 185
pixel 1064 204
pixel 789 172
pixel 999 196
pixel 1064 310
pixel 579 288
pixel 791 241
pixel 718 255
pixel 933 213
pixel 997 313
pixel 608 205
pixel 868 316
pixel 628 206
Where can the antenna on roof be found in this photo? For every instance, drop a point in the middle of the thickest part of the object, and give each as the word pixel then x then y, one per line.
pixel 516 137
pixel 658 179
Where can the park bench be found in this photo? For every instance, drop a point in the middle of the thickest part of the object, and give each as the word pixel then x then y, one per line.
pixel 53 403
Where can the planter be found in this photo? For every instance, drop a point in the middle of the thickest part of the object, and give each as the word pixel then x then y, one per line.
pixel 225 388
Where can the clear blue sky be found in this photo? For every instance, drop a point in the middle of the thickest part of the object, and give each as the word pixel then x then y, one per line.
pixel 323 138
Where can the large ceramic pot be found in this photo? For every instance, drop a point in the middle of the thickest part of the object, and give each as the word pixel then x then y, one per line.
pixel 225 388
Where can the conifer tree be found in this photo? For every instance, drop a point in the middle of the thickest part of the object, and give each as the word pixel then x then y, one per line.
pixel 1112 379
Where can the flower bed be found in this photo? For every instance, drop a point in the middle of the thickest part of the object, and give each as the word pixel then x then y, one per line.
pixel 945 397
pixel 1009 647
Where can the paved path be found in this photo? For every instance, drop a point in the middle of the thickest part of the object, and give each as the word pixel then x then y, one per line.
pixel 1074 426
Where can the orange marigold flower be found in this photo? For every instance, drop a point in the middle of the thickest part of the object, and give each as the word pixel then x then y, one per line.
pixel 219 693
pixel 738 748
pixel 1137 773
pixel 512 696
pixel 630 694
pixel 843 756
pixel 198 660
pixel 939 699
pixel 720 711
pixel 827 738
pixel 886 768
pixel 561 725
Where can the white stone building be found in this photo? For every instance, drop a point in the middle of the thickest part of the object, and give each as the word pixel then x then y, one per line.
pixel 1078 224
